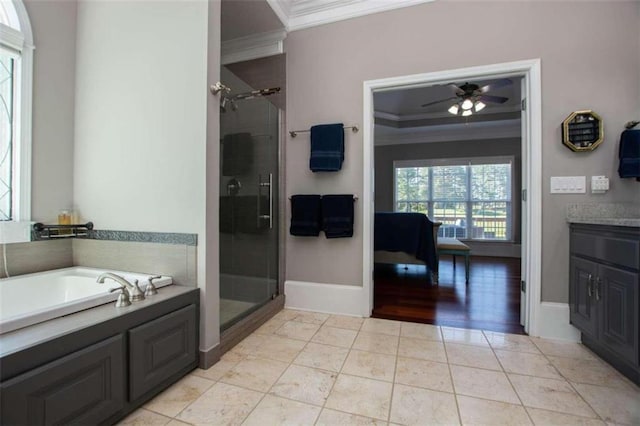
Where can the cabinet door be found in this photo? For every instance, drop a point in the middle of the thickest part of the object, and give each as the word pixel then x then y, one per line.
pixel 160 349
pixel 618 294
pixel 581 295
pixel 83 388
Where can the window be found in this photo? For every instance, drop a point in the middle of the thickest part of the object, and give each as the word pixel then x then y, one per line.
pixel 16 54
pixel 471 197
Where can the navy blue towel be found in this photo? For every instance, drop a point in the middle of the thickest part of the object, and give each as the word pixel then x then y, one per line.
pixel 327 147
pixel 629 154
pixel 305 215
pixel 337 216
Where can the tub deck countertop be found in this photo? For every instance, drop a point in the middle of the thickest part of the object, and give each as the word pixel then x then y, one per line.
pixel 36 334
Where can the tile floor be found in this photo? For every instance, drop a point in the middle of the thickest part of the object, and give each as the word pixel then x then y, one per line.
pixel 305 368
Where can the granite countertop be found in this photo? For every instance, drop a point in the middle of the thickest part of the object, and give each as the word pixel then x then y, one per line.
pixel 613 214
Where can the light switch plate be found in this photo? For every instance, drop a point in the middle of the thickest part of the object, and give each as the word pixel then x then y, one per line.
pixel 599 184
pixel 568 184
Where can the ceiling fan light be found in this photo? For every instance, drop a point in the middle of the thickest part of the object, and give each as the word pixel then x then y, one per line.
pixel 467 113
pixel 479 106
pixel 454 109
pixel 467 104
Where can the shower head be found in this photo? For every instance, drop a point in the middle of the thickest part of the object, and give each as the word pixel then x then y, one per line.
pixel 225 103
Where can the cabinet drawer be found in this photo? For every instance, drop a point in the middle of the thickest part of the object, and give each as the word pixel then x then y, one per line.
pixel 161 348
pixel 83 388
pixel 619 251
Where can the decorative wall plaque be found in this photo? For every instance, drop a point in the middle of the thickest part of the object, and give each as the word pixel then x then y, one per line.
pixel 582 131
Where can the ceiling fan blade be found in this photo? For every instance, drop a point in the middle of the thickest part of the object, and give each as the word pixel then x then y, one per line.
pixel 457 89
pixel 493 99
pixel 437 102
pixel 495 85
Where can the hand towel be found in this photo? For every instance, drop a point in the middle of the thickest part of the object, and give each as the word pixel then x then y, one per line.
pixel 305 215
pixel 327 147
pixel 337 215
pixel 629 154
pixel 237 154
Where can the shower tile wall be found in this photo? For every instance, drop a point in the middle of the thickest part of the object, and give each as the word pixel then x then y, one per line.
pixel 37 256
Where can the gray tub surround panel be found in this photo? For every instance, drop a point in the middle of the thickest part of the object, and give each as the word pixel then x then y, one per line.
pixel 98 365
pixel 175 260
pixel 615 214
pixel 27 258
pixel 604 292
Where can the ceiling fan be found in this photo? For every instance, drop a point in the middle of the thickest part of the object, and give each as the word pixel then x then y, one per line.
pixel 472 98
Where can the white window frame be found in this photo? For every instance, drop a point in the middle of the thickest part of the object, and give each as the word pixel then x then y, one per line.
pixel 21 42
pixel 469 161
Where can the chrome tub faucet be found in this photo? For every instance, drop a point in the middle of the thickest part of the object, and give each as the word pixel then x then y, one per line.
pixel 133 289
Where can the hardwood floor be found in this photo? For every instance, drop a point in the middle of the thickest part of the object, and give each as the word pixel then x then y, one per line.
pixel 491 301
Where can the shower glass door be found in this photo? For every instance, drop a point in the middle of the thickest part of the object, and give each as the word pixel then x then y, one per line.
pixel 249 153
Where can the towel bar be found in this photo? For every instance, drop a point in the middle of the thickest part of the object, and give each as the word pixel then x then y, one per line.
pixel 355 198
pixel 294 133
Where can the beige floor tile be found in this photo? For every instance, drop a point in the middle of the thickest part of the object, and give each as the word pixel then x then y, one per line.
pixel 270 326
pixel 550 394
pixel 376 342
pixel 175 422
pixel 337 418
pixel 322 356
pixel 613 405
pixel 545 418
pixel 420 331
pixel 298 330
pixel 311 317
pixel 472 356
pixel 511 342
pixel 527 364
pixel 422 349
pixel 273 410
pixel 464 336
pixel 594 372
pixel 222 404
pixel 424 374
pixel 304 384
pixel 335 336
pixel 217 370
pixel 250 344
pixel 485 384
pixel 177 397
pixel 416 406
pixel 286 315
pixel 341 321
pixel 476 411
pixel 358 395
pixel 371 365
pixel 381 326
pixel 253 373
pixel 563 349
pixel 279 348
pixel 142 417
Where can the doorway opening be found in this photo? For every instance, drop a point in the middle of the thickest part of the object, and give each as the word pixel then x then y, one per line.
pixel 529 73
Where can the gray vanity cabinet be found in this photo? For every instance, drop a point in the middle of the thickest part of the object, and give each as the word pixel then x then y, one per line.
pixel 604 292
pixel 82 388
pixel 160 349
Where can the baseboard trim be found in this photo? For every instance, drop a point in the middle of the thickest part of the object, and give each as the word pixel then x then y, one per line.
pixel 553 322
pixel 326 298
pixel 208 357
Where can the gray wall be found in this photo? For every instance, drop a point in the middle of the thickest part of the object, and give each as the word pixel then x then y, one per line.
pixel 36 256
pixel 385 156
pixel 326 67
pixel 54 33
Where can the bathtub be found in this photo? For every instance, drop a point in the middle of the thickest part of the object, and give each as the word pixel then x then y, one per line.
pixel 29 299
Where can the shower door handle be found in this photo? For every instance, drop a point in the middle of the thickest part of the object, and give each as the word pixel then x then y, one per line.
pixel 261 185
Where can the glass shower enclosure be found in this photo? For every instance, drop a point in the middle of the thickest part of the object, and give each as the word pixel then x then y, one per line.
pixel 249 157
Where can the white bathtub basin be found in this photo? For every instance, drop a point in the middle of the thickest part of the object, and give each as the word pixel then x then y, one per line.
pixel 33 298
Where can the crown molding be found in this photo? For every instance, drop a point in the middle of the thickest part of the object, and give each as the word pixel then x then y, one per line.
pixel 311 13
pixel 281 8
pixel 385 135
pixel 253 47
